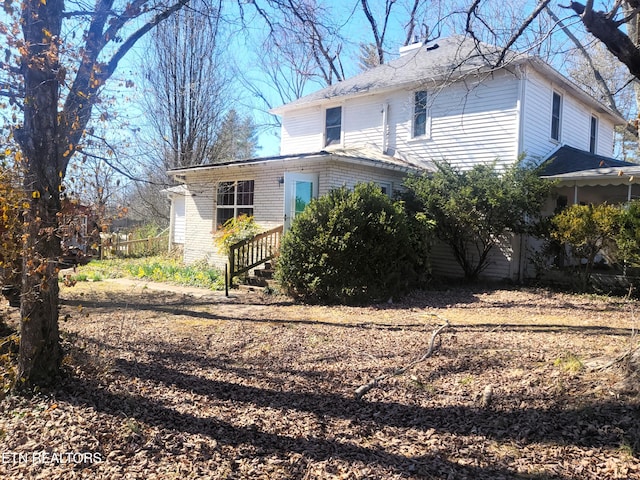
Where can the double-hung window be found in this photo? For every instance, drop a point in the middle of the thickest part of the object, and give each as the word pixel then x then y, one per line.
pixel 234 199
pixel 420 114
pixel 556 116
pixel 593 134
pixel 333 126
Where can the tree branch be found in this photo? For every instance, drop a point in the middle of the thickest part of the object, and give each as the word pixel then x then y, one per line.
pixel 539 8
pixel 606 30
pixel 601 82
pixel 134 37
pixel 363 389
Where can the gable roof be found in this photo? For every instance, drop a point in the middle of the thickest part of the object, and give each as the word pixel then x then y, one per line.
pixel 446 59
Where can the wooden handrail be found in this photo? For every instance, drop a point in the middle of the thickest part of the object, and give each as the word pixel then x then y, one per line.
pixel 250 253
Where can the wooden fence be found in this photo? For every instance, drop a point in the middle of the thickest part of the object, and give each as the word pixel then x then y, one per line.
pixel 119 245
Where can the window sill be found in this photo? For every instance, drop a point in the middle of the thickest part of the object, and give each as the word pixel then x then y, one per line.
pixel 421 138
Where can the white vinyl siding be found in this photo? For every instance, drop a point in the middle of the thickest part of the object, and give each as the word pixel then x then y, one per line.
pixel 363 119
pixel 268 196
pixel 179 219
pixel 469 123
pixel 575 129
pixel 302 131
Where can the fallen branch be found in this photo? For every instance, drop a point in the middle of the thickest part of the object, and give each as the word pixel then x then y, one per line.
pixel 363 389
pixel 625 356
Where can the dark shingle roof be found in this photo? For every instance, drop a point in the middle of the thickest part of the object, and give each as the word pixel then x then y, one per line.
pixel 569 159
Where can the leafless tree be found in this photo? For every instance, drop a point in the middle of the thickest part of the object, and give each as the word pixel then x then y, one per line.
pixel 187 85
pixel 59 79
pixel 306 23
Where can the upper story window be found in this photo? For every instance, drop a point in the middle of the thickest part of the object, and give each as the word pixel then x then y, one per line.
pixel 420 113
pixel 234 199
pixel 556 116
pixel 593 134
pixel 333 126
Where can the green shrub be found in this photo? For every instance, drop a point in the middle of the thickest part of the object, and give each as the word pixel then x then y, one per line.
pixel 628 237
pixel 587 230
pixel 348 247
pixel 475 210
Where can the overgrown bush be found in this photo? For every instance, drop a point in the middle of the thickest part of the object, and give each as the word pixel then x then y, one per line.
pixel 349 247
pixel 475 209
pixel 235 230
pixel 628 237
pixel 587 230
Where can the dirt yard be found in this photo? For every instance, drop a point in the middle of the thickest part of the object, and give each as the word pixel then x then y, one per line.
pixel 172 385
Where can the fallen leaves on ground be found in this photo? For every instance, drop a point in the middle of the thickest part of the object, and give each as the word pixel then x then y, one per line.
pixel 165 385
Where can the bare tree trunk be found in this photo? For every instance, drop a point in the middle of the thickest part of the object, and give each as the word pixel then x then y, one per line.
pixel 48 137
pixel 634 34
pixel 40 354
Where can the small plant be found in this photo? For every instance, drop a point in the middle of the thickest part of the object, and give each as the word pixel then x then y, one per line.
pixel 235 230
pixel 467 380
pixel 419 385
pixel 569 363
pixel 157 269
pixel 133 426
pixel 626 448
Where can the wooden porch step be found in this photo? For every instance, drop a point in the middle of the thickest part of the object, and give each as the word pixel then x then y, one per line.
pixel 265 273
pixel 250 288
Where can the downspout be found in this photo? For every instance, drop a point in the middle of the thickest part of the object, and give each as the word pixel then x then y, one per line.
pixel 172 223
pixel 385 121
pixel 520 108
pixel 523 244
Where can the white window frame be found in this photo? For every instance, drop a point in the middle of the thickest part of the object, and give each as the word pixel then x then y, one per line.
pixel 388 186
pixel 557 134
pixel 414 114
pixel 325 137
pixel 237 207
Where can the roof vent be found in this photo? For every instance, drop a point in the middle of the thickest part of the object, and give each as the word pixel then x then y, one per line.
pixel 410 48
pixel 418 41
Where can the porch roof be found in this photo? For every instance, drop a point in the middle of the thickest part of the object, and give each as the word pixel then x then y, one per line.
pixel 572 166
pixel 365 156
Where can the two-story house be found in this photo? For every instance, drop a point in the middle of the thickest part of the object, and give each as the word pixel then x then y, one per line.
pixel 437 102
